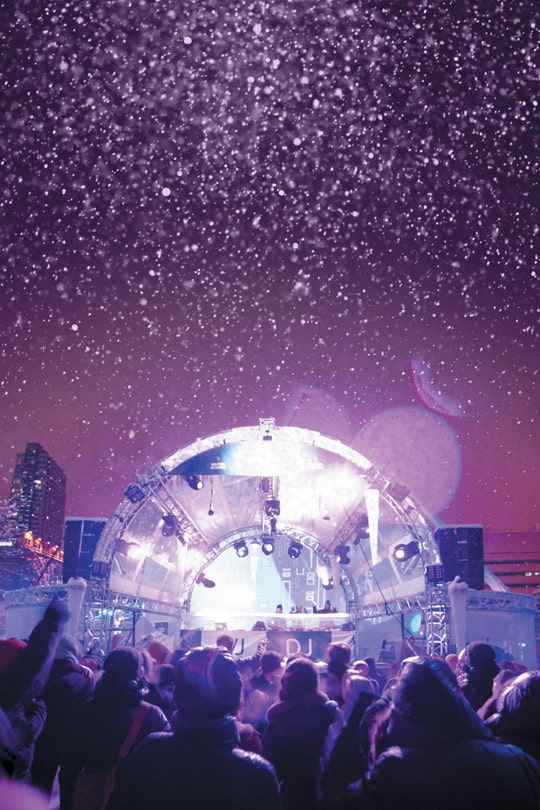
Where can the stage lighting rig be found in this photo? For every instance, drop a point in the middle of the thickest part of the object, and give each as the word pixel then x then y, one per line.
pixel 362 530
pixel 342 554
pixel 268 545
pixel 328 586
pixel 294 550
pixel 168 526
pixel 194 481
pixel 134 493
pixel 207 583
pixel 241 548
pixel 405 551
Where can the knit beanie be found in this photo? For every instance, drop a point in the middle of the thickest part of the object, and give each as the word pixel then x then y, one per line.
pixel 207 683
pixel 482 656
pixel 124 662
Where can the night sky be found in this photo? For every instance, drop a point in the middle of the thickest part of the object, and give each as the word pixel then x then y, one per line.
pixel 318 211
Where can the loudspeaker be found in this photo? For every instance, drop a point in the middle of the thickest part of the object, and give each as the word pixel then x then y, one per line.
pixel 462 554
pixel 80 540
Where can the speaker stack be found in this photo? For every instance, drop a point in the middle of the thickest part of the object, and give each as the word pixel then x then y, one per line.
pixel 462 554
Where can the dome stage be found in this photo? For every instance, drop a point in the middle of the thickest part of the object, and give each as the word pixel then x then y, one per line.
pixel 218 533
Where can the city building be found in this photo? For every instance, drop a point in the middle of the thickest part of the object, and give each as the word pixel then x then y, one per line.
pixel 514 557
pixel 38 495
pixel 80 540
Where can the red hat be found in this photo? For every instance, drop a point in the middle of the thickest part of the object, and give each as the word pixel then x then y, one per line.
pixel 158 651
pixel 10 649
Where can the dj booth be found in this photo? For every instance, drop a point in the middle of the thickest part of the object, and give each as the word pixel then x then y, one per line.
pixel 285 642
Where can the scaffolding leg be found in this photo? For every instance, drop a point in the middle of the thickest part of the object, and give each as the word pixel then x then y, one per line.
pixel 436 622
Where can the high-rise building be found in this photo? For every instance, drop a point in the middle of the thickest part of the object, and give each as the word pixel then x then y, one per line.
pixel 38 490
pixel 80 541
pixel 514 557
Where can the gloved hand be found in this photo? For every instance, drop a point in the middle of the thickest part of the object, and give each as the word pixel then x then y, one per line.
pixel 57 612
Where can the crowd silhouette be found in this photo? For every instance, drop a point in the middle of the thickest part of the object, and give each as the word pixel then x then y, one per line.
pixel 202 729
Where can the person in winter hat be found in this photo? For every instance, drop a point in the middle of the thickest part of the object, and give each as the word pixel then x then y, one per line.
pixel 200 764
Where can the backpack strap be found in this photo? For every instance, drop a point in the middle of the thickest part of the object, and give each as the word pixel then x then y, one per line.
pixel 134 730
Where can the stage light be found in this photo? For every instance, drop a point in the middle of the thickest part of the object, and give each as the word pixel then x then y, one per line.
pixel 241 548
pixel 207 583
pixel 194 481
pixel 328 586
pixel 294 550
pixel 168 525
pixel 404 551
pixel 134 493
pixel 342 554
pixel 267 545
pixel 362 530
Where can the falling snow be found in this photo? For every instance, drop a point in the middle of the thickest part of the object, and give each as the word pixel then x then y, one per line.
pixel 208 207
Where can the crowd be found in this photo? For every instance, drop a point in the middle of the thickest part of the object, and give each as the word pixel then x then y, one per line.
pixel 203 729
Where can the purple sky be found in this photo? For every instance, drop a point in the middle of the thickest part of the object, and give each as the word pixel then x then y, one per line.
pixel 206 212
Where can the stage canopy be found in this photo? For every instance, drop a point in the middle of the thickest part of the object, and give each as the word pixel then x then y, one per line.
pixel 268 487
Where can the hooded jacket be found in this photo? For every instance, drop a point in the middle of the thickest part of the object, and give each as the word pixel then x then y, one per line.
pixel 441 756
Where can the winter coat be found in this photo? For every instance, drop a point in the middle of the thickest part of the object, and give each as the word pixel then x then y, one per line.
pixel 470 773
pixel 293 741
pixel 66 690
pixel 97 736
pixel 199 766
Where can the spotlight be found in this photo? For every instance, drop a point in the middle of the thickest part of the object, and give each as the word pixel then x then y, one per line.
pixel 328 586
pixel 294 550
pixel 194 481
pixel 207 583
pixel 169 525
pixel 267 545
pixel 342 554
pixel 361 534
pixel 404 551
pixel 241 548
pixel 134 493
pixel 362 530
